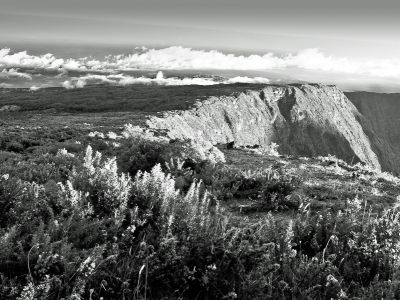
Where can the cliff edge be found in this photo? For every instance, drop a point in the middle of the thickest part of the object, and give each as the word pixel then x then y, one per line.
pixel 305 120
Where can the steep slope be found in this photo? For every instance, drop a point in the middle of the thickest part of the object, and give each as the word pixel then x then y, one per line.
pixel 380 119
pixel 306 120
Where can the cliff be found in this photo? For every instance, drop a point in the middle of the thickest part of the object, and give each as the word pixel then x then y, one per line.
pixel 305 120
pixel 380 119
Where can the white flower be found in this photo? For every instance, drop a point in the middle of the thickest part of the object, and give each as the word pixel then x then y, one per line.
pixel 64 152
pixel 112 135
pixel 96 134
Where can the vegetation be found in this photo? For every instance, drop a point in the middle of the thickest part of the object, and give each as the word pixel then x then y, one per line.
pixel 113 98
pixel 87 213
pixel 74 226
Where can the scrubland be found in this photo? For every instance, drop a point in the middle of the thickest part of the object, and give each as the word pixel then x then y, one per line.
pixel 92 209
pixel 84 218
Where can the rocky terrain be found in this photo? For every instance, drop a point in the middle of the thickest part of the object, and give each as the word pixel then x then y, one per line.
pixel 305 120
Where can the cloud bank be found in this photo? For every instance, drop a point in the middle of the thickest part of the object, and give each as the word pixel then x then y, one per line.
pixel 160 79
pixel 8 73
pixel 180 58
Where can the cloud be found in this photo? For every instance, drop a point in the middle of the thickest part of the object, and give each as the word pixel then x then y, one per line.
pixel 14 73
pixel 34 88
pixel 177 58
pixel 181 58
pixel 68 85
pixel 6 85
pixel 24 60
pixel 80 82
pixel 73 84
pixel 245 79
pixel 160 79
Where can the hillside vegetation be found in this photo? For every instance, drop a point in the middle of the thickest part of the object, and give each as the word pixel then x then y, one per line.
pixel 95 209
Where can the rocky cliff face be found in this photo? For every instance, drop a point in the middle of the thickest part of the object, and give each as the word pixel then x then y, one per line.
pixel 306 120
pixel 380 119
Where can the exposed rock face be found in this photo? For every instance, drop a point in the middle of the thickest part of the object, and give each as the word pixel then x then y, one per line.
pixel 307 120
pixel 380 119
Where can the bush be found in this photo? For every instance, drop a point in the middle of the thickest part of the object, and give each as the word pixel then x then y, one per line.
pixel 274 194
pixel 138 154
pixel 15 146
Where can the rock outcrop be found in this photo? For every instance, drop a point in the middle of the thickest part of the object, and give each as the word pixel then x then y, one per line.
pixel 306 120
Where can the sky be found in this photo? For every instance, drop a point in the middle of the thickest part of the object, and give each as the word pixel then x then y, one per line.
pixel 354 28
pixel 317 39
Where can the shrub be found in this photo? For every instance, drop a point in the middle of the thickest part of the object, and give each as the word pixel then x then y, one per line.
pixel 15 146
pixel 138 154
pixel 107 190
pixel 274 194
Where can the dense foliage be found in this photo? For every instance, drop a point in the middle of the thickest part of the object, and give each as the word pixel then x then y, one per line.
pixel 74 226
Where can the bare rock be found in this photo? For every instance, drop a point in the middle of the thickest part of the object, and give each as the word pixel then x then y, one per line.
pixel 306 120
